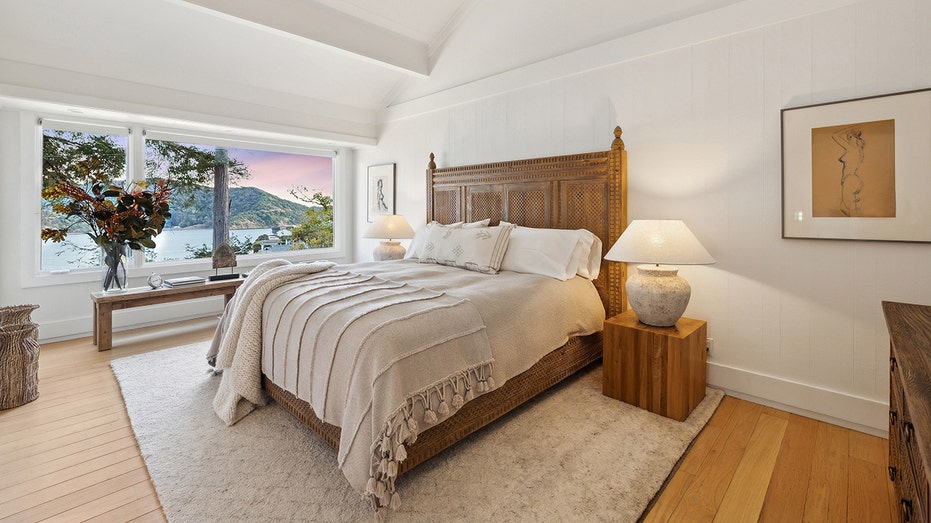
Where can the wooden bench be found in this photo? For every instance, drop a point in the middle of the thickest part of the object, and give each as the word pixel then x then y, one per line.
pixel 106 303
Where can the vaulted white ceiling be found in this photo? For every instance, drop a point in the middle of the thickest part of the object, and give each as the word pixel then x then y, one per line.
pixel 337 60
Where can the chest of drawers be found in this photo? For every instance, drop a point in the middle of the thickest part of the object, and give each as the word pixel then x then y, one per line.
pixel 910 406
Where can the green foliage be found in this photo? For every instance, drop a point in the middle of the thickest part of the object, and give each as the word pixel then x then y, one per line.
pixel 250 208
pixel 85 159
pixel 81 158
pixel 316 231
pixel 190 167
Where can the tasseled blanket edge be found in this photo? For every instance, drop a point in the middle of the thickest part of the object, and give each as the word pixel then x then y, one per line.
pixel 388 449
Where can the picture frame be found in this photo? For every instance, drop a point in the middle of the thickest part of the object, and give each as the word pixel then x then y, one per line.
pixel 858 169
pixel 380 190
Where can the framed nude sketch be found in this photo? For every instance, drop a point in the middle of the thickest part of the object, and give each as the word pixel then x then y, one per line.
pixel 380 190
pixel 858 169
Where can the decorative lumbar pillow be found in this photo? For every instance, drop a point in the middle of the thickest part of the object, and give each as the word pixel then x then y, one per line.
pixel 479 249
pixel 420 237
pixel 556 253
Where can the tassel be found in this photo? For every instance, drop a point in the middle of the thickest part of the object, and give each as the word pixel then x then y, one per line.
pixel 370 486
pixel 392 469
pixel 491 383
pixel 429 417
pixel 400 453
pixel 470 395
pixel 457 401
pixel 443 409
pixel 380 490
pixel 412 425
pixel 383 466
pixel 395 501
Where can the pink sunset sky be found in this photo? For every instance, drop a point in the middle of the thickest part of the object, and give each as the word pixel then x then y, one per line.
pixel 277 173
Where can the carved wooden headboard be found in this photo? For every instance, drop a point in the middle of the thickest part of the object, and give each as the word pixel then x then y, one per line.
pixel 578 191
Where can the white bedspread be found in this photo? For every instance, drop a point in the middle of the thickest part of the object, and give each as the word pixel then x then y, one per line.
pixel 527 316
pixel 385 350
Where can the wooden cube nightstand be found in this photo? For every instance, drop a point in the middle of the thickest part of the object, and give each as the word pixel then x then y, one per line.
pixel 660 369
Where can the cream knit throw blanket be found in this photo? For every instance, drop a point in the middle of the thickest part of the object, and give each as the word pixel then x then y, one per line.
pixel 239 352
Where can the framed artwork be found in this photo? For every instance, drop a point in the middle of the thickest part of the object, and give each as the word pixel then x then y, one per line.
pixel 380 190
pixel 858 169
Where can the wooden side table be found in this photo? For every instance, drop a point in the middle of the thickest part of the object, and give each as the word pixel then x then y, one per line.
pixel 660 369
pixel 105 304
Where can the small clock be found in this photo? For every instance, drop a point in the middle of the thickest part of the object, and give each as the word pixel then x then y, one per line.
pixel 155 281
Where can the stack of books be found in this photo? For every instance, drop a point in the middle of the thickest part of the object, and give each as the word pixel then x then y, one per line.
pixel 185 281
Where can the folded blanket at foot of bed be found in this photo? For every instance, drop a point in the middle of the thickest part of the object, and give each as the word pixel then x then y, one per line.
pixel 379 359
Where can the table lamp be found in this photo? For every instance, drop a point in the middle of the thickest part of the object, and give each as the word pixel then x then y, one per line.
pixel 657 294
pixel 389 226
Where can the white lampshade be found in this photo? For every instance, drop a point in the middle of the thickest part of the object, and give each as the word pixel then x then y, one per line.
pixel 657 294
pixel 667 242
pixel 389 226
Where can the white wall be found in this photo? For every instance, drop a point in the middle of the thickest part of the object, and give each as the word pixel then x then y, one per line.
pixel 796 323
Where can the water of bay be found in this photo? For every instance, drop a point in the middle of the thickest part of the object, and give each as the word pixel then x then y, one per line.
pixel 169 245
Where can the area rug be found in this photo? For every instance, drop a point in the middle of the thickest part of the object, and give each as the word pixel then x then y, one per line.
pixel 571 454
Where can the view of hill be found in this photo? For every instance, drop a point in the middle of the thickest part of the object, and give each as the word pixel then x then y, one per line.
pixel 250 208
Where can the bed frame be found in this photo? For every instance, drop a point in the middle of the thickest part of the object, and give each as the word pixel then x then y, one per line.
pixel 580 191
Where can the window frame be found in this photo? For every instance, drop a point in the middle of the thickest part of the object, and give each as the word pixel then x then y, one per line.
pixel 32 133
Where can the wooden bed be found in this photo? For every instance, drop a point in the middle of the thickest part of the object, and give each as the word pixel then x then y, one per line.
pixel 580 191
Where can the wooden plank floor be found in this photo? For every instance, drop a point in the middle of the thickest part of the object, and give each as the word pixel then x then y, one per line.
pixel 71 455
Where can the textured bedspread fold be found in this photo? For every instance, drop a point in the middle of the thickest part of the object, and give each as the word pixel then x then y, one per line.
pixel 381 360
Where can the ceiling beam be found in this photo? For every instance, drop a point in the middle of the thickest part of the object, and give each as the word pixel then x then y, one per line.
pixel 321 25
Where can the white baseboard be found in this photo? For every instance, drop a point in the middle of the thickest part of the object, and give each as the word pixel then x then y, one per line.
pixel 853 412
pixel 50 331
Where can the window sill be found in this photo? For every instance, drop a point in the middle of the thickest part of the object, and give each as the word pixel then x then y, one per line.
pixel 201 267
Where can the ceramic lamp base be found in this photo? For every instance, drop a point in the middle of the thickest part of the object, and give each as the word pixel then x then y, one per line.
pixel 658 295
pixel 388 250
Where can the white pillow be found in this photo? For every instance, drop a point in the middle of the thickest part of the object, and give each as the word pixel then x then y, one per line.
pixel 479 249
pixel 590 265
pixel 473 225
pixel 420 237
pixel 556 253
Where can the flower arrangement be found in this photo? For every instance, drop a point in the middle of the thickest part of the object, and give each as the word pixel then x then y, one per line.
pixel 115 216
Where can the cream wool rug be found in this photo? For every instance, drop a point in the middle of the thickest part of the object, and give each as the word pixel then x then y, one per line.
pixel 570 455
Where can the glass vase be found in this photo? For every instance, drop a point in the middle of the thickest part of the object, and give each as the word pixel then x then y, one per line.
pixel 114 256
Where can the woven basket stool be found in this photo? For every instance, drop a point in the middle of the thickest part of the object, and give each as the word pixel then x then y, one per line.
pixel 19 364
pixel 17 315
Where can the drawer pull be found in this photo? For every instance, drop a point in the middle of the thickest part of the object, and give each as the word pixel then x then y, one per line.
pixel 909 430
pixel 893 415
pixel 892 474
pixel 892 364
